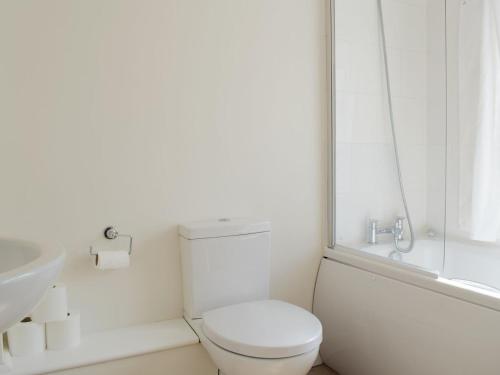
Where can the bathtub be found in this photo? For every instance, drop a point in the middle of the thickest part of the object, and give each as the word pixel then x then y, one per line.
pixel 428 312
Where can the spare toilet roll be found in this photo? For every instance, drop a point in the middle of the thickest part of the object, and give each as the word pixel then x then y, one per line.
pixel 26 338
pixel 108 260
pixel 54 305
pixel 63 334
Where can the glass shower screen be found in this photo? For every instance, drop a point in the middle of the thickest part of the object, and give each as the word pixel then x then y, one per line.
pixel 390 128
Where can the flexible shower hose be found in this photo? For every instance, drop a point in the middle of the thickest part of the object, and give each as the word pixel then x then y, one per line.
pixel 397 244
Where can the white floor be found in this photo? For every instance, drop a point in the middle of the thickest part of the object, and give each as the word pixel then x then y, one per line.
pixel 321 370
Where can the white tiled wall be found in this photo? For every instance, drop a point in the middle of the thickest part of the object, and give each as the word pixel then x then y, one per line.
pixel 436 114
pixel 453 141
pixel 367 184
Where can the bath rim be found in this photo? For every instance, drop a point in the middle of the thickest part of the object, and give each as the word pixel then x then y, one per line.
pixel 414 275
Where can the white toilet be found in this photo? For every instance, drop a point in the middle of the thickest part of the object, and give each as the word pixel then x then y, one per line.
pixel 226 266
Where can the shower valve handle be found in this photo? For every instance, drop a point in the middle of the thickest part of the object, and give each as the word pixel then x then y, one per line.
pixel 399 227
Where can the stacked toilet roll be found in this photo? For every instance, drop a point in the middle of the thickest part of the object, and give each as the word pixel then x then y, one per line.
pixel 51 326
pixel 26 338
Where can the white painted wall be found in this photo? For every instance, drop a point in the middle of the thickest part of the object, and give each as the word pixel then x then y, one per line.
pixel 144 114
pixel 367 185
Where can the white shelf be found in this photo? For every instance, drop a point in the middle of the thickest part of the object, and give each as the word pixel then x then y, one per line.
pixel 110 345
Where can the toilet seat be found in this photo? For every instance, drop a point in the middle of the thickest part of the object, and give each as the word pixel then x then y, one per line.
pixel 263 329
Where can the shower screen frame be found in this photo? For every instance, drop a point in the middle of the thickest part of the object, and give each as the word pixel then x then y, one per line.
pixel 331 147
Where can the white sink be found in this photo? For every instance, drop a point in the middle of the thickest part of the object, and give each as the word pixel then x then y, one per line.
pixel 27 269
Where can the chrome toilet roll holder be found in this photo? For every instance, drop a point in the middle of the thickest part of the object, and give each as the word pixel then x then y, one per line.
pixel 111 233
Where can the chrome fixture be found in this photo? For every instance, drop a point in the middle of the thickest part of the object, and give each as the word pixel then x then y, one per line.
pixel 111 233
pixel 396 230
pixel 394 138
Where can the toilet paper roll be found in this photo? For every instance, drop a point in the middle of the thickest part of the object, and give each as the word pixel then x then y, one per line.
pixel 26 338
pixel 54 305
pixel 63 334
pixel 108 260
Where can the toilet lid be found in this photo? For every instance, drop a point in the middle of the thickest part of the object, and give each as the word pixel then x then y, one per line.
pixel 263 329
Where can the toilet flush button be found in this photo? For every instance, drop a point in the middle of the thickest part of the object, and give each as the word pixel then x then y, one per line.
pixel 224 220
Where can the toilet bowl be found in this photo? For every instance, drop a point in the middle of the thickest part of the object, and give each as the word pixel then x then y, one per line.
pixel 226 267
pixel 261 337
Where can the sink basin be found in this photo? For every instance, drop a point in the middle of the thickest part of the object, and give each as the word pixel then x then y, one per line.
pixel 27 269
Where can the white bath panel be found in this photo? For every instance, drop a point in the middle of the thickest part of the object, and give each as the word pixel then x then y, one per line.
pixel 374 325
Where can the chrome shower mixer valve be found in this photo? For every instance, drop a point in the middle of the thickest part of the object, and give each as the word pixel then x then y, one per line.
pixel 396 230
